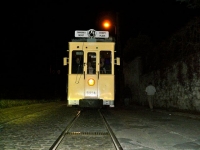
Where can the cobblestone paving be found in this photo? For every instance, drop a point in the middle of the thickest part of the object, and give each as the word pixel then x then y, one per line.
pixel 89 121
pixel 93 133
pixel 33 127
pixel 140 129
pixel 85 142
pixel 36 127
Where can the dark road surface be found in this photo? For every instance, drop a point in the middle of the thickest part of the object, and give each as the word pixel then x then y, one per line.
pixel 36 127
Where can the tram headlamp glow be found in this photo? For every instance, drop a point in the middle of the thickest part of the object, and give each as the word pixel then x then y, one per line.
pixel 91 82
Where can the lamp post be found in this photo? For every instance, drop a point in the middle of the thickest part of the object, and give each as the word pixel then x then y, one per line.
pixel 120 77
pixel 107 24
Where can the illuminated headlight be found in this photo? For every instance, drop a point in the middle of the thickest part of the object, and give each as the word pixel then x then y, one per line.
pixel 91 82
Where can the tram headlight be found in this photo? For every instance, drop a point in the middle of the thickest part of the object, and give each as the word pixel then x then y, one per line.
pixel 91 82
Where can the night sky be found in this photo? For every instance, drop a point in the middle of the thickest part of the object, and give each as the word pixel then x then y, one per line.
pixel 35 33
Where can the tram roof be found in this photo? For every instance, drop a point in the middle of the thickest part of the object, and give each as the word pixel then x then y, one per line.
pixel 93 40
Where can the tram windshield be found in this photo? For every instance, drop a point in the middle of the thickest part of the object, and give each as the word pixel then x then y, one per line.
pixel 91 63
pixel 105 62
pixel 77 62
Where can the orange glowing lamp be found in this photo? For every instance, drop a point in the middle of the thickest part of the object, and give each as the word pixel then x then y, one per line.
pixel 106 24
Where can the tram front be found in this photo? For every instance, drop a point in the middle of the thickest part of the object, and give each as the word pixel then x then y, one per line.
pixel 91 70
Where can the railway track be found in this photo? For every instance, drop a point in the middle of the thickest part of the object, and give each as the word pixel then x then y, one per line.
pixel 88 130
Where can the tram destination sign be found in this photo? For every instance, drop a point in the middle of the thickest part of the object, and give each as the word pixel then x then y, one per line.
pixel 92 34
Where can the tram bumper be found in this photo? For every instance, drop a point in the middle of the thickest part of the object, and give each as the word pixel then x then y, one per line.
pixel 96 103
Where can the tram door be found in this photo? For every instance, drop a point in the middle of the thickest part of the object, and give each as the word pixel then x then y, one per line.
pixel 91 74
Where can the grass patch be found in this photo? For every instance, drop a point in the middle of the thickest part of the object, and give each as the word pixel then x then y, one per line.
pixel 6 103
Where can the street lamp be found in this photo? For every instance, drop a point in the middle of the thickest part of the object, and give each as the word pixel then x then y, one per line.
pixel 107 24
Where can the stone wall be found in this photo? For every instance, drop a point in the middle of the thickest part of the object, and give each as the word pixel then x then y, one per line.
pixel 178 86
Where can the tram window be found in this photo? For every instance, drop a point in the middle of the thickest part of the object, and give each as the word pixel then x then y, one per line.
pixel 91 63
pixel 77 62
pixel 105 62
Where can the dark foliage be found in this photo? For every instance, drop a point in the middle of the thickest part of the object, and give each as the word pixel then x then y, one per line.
pixel 183 43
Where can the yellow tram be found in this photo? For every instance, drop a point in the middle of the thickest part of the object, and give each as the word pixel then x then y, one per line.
pixel 91 74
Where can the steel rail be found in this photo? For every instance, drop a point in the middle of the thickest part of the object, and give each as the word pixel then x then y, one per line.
pixel 60 138
pixel 113 137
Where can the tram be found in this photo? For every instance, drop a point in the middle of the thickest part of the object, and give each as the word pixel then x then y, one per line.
pixel 91 69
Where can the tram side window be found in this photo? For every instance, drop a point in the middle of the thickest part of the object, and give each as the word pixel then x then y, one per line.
pixel 77 62
pixel 105 62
